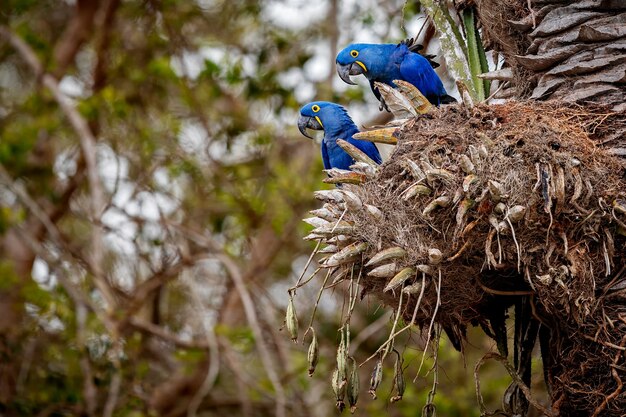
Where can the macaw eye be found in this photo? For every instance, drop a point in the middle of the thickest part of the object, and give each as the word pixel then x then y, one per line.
pixel 354 53
pixel 315 108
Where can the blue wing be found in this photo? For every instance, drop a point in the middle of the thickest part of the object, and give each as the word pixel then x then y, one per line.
pixel 325 159
pixel 338 158
pixel 368 148
pixel 375 91
pixel 417 70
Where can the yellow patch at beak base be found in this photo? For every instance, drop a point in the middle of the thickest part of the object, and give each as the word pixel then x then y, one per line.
pixel 319 121
pixel 362 65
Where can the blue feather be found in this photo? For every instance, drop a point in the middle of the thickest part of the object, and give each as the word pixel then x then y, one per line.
pixel 337 124
pixel 387 62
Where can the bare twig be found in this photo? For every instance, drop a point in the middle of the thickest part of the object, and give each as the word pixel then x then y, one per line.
pixel 317 302
pixel 429 407
pixel 369 331
pixel 264 352
pixel 516 378
pixel 432 321
pixel 214 360
pixel 402 330
pixel 161 333
pixel 391 338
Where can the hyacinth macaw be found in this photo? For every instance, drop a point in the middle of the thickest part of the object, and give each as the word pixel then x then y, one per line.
pixel 337 124
pixel 387 62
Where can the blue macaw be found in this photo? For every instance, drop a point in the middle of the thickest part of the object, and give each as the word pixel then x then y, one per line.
pixel 387 62
pixel 337 124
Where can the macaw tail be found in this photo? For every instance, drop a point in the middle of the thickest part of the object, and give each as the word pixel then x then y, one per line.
pixel 415 47
pixel 446 99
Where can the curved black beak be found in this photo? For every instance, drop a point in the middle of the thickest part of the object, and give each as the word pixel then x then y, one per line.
pixel 305 122
pixel 346 70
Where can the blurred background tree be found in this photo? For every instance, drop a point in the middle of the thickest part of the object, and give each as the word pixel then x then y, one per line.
pixel 152 184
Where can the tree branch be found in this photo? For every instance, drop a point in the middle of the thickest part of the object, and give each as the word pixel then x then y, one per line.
pixel 88 145
pixel 75 35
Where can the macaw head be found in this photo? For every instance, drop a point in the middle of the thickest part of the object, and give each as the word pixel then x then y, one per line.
pixel 323 115
pixel 352 60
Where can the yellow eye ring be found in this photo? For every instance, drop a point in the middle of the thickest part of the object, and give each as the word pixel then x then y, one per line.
pixel 354 53
pixel 315 108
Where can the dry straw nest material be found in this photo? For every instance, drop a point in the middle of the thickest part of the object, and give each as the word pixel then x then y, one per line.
pixel 494 206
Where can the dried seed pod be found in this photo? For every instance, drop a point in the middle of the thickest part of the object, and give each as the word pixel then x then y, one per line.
pixel 313 353
pixel 474 155
pixel 398 379
pixel 385 255
pixel 329 249
pixel 468 181
pixel 365 169
pixel 347 229
pixel 331 196
pixel 396 102
pixel 324 259
pixel 347 254
pixel 458 196
pixel 426 165
pixel 339 228
pixel 336 171
pixel 425 269
pixel 339 388
pixel 384 135
pixel 383 271
pixel 315 221
pixel 482 151
pixel 578 185
pixel 374 212
pixel 440 174
pixel 414 95
pixel 342 358
pixel 399 279
pixel 334 208
pixel 415 170
pixel 504 74
pixel 500 208
pixel 356 153
pixel 324 213
pixel 466 97
pixel 559 188
pixel 353 202
pixel 340 241
pixel 464 207
pixel 434 256
pixel 349 177
pixel 619 206
pixel 353 386
pixel 416 189
pixel 442 201
pixel 377 377
pixel 496 190
pixel 413 288
pixel 291 320
pixel 493 221
pixel 516 213
pixel 466 164
pixel 503 227
pixel 313 236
